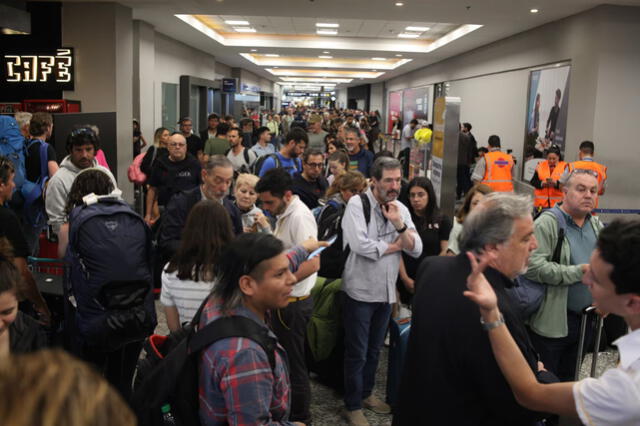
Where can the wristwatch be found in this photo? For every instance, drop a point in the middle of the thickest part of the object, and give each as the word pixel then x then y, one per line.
pixel 401 230
pixel 491 325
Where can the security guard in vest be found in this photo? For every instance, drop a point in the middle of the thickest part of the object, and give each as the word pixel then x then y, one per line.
pixel 586 162
pixel 546 180
pixel 495 169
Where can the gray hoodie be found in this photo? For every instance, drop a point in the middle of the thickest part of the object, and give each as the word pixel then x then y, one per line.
pixel 58 189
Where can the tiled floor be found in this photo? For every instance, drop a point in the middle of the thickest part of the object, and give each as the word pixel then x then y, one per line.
pixel 327 406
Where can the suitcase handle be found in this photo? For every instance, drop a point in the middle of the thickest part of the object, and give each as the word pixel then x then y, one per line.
pixel 583 328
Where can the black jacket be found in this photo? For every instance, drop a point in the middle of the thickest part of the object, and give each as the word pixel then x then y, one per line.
pixel 450 376
pixel 26 335
pixel 175 217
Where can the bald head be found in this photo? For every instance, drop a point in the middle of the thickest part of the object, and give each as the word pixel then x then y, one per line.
pixel 177 147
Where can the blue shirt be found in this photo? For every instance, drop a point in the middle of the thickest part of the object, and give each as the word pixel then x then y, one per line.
pixel 362 161
pixel 291 165
pixel 260 151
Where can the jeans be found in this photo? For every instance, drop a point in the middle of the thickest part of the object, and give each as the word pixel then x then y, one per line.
pixel 290 326
pixel 559 355
pixel 365 325
pixel 117 367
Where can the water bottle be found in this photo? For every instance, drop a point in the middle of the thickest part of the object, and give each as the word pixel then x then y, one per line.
pixel 167 417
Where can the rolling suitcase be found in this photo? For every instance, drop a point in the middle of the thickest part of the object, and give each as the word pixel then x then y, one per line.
pixel 399 329
pixel 589 311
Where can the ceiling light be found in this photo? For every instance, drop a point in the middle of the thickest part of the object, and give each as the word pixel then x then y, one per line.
pixel 374 70
pixel 325 57
pixel 272 55
pixel 327 32
pixel 255 50
pixel 236 22
pixel 378 59
pixel 327 25
pixel 244 29
pixel 418 29
pixel 399 3
pixel 408 35
pixel 326 52
pixel 398 55
pixel 534 11
pixel 276 67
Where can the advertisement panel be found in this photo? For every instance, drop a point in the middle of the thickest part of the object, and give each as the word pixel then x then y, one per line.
pixel 394 108
pixel 415 104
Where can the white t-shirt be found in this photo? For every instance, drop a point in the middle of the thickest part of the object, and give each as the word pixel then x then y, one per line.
pixel 185 295
pixel 614 398
pixel 239 160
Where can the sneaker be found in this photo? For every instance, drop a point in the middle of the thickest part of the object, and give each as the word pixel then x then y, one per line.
pixel 374 404
pixel 355 418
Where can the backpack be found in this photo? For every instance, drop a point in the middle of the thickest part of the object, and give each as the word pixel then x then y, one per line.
pixel 246 167
pixel 32 192
pixel 169 373
pixel 333 258
pixel 257 165
pixel 12 146
pixel 134 172
pixel 110 277
pixel 527 295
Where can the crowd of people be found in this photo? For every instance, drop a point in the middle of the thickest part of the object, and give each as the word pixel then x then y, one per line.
pixel 247 220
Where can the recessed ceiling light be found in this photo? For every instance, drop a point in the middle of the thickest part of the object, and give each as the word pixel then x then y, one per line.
pixel 244 29
pixel 399 3
pixel 374 70
pixel 254 50
pixel 236 22
pixel 327 25
pixel 327 32
pixel 272 55
pixel 534 11
pixel 418 29
pixel 408 35
pixel 398 55
pixel 325 57
pixel 275 68
pixel 326 52
pixel 378 59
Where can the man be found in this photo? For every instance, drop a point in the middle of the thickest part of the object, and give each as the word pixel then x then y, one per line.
pixel 316 134
pixel 369 281
pixel 82 145
pixel 406 143
pixel 359 159
pixel 246 124
pixel 450 375
pixel 195 146
pixel 212 128
pixel 218 145
pixel 294 224
pixel 309 184
pixel 555 327
pixel 495 168
pixel 179 171
pixel 586 162
pixel 40 129
pixel 466 156
pixel 553 119
pixel 612 279
pixel 351 121
pixel 216 178
pixel 263 146
pixel 23 118
pixel 238 383
pixel 288 156
pixel 241 157
pixel 466 129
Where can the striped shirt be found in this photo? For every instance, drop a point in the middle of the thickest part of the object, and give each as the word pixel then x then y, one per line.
pixel 185 295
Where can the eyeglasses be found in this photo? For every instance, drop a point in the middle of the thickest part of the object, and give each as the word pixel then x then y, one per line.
pixel 585 172
pixel 177 145
pixel 316 165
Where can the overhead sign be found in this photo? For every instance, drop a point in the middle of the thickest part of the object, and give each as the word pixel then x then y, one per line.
pixel 53 69
pixel 229 85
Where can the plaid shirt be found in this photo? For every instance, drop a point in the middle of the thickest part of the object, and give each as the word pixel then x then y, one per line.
pixel 237 385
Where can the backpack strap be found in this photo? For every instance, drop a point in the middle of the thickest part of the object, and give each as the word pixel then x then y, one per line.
pixel 366 207
pixel 234 326
pixel 562 226
pixel 245 151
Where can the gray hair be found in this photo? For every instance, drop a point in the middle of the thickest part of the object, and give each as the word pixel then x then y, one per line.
pixel 23 118
pixel 383 163
pixel 575 172
pixel 217 161
pixel 492 222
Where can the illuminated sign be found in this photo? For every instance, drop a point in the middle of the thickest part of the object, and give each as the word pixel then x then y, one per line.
pixel 51 69
pixel 229 85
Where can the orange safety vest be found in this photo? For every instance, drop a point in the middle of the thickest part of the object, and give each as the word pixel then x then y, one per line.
pixel 548 197
pixel 497 172
pixel 590 165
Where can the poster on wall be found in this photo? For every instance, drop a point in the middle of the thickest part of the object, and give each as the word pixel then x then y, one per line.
pixel 547 105
pixel 415 104
pixel 437 140
pixel 394 109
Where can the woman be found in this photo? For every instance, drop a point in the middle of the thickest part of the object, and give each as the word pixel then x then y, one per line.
pixel 338 165
pixel 396 133
pixel 155 151
pixel 433 228
pixel 546 180
pixel 19 333
pixel 473 197
pixel 253 219
pixel 138 140
pixel 344 187
pixel 331 144
pixel 190 275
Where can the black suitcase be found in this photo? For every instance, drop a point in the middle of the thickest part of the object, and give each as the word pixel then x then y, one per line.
pixel 589 311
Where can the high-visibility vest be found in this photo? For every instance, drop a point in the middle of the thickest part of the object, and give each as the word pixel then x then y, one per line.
pixel 548 197
pixel 497 172
pixel 590 165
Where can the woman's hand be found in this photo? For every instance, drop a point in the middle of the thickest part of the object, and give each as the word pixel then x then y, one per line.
pixel 409 284
pixel 480 291
pixel 262 220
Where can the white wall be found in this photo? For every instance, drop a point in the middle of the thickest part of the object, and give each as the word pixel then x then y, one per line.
pixel 341 98
pixel 144 98
pixel 222 71
pixel 376 101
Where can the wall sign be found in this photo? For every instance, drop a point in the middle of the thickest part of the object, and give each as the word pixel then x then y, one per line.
pixel 229 85
pixel 51 69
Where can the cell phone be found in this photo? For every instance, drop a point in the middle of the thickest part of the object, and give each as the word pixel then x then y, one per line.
pixel 319 250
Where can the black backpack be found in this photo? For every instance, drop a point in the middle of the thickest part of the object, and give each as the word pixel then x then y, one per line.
pixel 257 165
pixel 334 257
pixel 169 373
